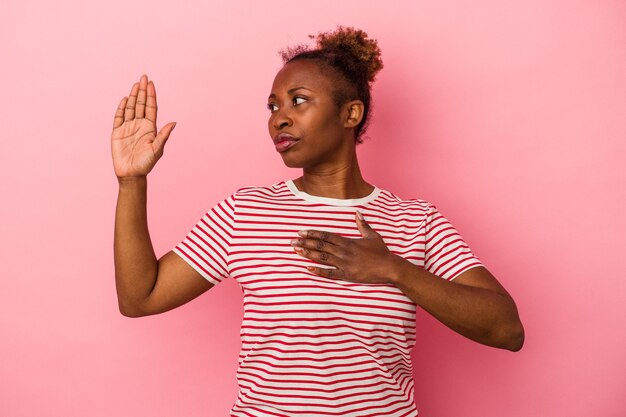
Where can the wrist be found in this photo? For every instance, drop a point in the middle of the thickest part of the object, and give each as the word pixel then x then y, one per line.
pixel 127 182
pixel 396 269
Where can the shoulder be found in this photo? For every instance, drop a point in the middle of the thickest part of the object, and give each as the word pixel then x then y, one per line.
pixel 256 192
pixel 415 206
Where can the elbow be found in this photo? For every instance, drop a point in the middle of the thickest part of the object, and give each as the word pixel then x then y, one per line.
pixel 511 331
pixel 513 337
pixel 128 311
pixel 130 314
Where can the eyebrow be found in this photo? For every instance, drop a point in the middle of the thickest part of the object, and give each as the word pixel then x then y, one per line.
pixel 290 91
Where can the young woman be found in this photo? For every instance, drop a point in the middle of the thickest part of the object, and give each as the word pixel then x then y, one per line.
pixel 332 268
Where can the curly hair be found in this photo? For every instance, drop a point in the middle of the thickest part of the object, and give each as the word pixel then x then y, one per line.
pixel 352 57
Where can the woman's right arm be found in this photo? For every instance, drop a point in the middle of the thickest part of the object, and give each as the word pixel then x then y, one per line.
pixel 144 284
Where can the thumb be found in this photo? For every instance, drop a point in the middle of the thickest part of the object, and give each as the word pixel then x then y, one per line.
pixel 163 135
pixel 365 229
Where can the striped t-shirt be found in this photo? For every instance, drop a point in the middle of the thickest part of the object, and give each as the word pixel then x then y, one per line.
pixel 313 346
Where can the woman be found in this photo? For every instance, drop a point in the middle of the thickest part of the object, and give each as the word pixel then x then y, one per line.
pixel 332 267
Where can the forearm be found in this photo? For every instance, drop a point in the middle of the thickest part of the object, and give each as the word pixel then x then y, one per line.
pixel 483 315
pixel 135 261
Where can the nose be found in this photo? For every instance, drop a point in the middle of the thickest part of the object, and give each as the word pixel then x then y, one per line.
pixel 280 119
pixel 281 125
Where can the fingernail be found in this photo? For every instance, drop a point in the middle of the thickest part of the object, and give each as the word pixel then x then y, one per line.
pixel 294 242
pixel 302 233
pixel 359 215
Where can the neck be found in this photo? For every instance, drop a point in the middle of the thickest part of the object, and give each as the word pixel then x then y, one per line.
pixel 344 181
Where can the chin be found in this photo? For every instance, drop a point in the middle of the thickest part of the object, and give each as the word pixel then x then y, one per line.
pixel 290 163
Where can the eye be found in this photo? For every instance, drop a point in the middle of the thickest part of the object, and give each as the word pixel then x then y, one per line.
pixel 295 100
pixel 271 107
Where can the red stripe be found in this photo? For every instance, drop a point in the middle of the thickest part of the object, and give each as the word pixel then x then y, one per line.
pixel 212 262
pixel 191 260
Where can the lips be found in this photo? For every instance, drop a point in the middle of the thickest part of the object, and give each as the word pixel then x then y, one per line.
pixel 284 141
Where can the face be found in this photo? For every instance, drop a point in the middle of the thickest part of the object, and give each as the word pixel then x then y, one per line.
pixel 303 112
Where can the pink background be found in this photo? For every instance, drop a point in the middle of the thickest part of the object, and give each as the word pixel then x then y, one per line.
pixel 509 117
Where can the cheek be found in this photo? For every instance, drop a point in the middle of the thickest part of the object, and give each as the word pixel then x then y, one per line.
pixel 319 121
pixel 328 123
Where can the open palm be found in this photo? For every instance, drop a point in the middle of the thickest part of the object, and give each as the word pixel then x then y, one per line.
pixel 135 144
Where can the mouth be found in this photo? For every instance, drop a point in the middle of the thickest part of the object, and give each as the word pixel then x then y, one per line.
pixel 284 141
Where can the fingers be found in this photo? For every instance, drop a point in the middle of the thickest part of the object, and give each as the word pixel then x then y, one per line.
pixel 318 245
pixel 332 273
pixel 162 136
pixel 319 256
pixel 151 104
pixel 129 113
pixel 140 103
pixel 119 113
pixel 322 235
pixel 140 106
pixel 364 227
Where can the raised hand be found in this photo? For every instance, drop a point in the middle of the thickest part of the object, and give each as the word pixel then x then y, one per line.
pixel 135 144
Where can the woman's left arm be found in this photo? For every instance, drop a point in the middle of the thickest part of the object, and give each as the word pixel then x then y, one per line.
pixel 474 304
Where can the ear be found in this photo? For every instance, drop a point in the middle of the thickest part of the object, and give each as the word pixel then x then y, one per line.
pixel 354 113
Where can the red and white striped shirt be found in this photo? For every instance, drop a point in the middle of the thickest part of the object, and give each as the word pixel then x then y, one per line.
pixel 313 346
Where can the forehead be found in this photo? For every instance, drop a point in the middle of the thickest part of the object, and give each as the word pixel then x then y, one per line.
pixel 304 73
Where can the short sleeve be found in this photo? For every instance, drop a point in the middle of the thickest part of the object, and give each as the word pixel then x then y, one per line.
pixel 446 253
pixel 207 246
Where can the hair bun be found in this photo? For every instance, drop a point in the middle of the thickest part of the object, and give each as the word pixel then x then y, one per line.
pixel 353 43
pixel 355 60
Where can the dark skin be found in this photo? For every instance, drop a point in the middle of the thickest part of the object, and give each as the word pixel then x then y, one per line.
pixel 326 149
pixel 474 304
